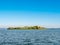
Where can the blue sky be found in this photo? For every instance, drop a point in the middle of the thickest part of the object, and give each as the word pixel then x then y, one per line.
pixel 30 12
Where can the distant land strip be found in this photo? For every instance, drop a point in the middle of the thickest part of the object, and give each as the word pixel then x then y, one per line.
pixel 26 28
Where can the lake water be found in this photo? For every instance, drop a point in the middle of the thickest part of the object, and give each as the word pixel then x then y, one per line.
pixel 29 37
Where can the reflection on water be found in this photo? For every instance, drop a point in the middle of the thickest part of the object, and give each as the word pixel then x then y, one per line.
pixel 27 37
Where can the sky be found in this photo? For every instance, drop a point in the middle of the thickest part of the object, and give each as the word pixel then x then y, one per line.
pixel 30 12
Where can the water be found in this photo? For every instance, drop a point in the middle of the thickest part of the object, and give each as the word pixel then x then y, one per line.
pixel 29 37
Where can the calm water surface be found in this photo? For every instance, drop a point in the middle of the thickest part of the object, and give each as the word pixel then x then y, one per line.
pixel 29 37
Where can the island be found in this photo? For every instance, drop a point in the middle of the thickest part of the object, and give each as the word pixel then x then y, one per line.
pixel 26 28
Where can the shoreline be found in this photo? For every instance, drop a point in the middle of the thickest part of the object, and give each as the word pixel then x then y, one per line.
pixel 27 28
